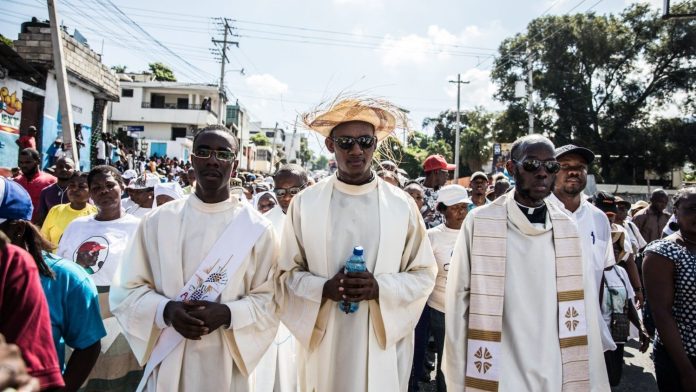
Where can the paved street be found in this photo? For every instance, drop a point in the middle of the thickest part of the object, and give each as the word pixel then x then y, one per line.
pixel 638 375
pixel 639 372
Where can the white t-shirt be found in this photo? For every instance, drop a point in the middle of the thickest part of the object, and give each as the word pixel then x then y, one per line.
pixel 100 244
pixel 101 150
pixel 442 240
pixel 595 234
pixel 637 240
pixel 136 210
pixel 618 299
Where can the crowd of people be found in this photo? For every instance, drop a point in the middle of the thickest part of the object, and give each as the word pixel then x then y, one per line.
pixel 193 277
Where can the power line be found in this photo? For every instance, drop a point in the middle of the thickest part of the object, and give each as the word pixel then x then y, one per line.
pixel 137 26
pixel 514 51
pixel 84 21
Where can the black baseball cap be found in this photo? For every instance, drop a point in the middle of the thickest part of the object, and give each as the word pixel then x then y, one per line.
pixel 573 149
pixel 605 202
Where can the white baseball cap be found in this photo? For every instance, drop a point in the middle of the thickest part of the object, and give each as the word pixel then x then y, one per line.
pixel 453 194
pixel 129 174
pixel 146 180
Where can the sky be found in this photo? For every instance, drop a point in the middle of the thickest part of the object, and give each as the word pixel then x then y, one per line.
pixel 298 54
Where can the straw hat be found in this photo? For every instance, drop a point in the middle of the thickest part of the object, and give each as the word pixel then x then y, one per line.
pixel 381 114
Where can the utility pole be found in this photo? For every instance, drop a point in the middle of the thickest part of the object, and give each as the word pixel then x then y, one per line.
pixel 273 146
pixel 530 93
pixel 456 136
pixel 224 60
pixel 62 78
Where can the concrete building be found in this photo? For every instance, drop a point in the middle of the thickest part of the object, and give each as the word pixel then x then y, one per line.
pixel 239 121
pixel 91 86
pixel 163 116
pixel 293 142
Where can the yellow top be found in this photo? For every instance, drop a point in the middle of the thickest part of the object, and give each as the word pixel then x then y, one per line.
pixel 58 219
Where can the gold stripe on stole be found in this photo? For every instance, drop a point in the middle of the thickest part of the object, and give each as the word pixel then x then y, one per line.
pixel 574 341
pixel 489 336
pixel 484 385
pixel 573 295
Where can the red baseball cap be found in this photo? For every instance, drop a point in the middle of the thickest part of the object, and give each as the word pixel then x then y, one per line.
pixel 90 246
pixel 437 162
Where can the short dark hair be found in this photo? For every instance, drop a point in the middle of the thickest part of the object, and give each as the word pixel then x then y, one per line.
pixel 441 207
pixel 683 194
pixel 79 175
pixel 292 169
pixel 658 193
pixel 216 128
pixel 32 153
pixel 501 183
pixel 104 170
pixel 521 144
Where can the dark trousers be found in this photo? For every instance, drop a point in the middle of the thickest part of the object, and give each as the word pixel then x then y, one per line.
pixel 420 344
pixel 437 329
pixel 614 362
pixel 668 377
pixel 101 161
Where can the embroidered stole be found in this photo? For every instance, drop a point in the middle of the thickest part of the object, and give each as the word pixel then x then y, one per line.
pixel 484 335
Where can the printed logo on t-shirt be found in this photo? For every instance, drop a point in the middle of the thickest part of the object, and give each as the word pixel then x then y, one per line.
pixel 92 253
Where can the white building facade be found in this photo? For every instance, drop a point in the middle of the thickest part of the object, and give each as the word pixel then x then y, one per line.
pixel 163 116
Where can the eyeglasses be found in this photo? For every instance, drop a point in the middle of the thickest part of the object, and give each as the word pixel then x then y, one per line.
pixel 347 142
pixel 532 165
pixel 567 167
pixel 292 191
pixel 220 155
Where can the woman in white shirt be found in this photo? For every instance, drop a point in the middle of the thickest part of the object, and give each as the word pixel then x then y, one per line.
pixel 97 243
pixel 452 203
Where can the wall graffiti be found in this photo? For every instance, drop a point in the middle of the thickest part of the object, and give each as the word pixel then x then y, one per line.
pixel 10 110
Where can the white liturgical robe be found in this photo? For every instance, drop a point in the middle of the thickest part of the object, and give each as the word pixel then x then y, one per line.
pixel 371 349
pixel 530 349
pixel 165 252
pixel 277 370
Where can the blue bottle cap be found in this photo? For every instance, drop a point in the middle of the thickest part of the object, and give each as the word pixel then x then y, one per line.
pixel 358 251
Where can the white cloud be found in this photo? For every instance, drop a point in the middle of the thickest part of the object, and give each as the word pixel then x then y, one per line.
pixel 360 3
pixel 409 49
pixel 265 85
pixel 440 44
pixel 478 92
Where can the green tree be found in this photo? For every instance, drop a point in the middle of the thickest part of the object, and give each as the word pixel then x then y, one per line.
pixel 306 153
pixel 476 136
pixel 320 163
pixel 6 41
pixel 162 72
pixel 598 78
pixel 260 139
pixel 118 68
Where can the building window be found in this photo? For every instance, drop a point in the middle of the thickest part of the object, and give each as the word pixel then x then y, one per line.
pixel 178 132
pixel 127 92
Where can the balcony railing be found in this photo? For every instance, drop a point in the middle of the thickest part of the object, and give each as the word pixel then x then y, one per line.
pixel 149 105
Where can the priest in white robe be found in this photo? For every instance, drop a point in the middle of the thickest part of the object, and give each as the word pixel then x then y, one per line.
pixel 225 336
pixel 520 304
pixel 372 348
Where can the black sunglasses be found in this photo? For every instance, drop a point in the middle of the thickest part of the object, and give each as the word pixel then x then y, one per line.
pixel 220 155
pixel 292 191
pixel 532 165
pixel 347 142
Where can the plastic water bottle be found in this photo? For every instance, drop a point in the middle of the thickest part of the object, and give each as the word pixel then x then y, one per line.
pixel 356 263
